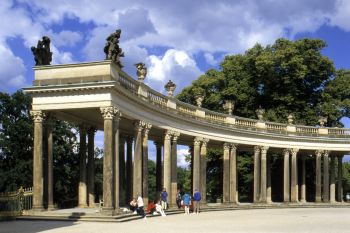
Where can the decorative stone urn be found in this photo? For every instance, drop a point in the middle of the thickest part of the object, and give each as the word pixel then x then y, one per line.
pixel 141 71
pixel 170 88
pixel 322 120
pixel 290 119
pixel 229 106
pixel 199 99
pixel 260 113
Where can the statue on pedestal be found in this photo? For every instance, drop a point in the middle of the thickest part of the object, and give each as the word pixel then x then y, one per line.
pixel 42 53
pixel 112 50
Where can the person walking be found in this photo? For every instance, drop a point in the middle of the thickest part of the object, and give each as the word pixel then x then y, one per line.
pixel 196 201
pixel 140 206
pixel 178 199
pixel 163 198
pixel 187 200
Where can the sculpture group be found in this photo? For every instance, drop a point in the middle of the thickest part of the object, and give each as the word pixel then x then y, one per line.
pixel 42 53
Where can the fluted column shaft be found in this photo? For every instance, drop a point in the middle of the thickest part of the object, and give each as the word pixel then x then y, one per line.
pixel 50 204
pixel 286 177
pixel 303 184
pixel 167 162
pixel 173 170
pixel 332 180
pixel 233 174
pixel 147 127
pixel 108 114
pixel 203 170
pixel 263 175
pixel 196 164
pixel 325 177
pixel 38 160
pixel 226 173
pixel 256 193
pixel 91 167
pixel 294 181
pixel 82 200
pixel 129 169
pixel 158 166
pixel 137 177
pixel 340 179
pixel 318 197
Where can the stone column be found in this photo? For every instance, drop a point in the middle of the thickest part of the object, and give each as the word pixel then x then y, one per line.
pixel 38 117
pixel 332 180
pixel 122 176
pixel 340 179
pixel 256 194
pixel 263 174
pixel 82 200
pixel 294 197
pixel 286 176
pixel 167 162
pixel 233 174
pixel 91 167
pixel 116 166
pixel 146 130
pixel 196 164
pixel 318 197
pixel 50 204
pixel 129 171
pixel 325 176
pixel 268 179
pixel 158 167
pixel 173 191
pixel 303 184
pixel 137 177
pixel 203 171
pixel 226 174
pixel 108 113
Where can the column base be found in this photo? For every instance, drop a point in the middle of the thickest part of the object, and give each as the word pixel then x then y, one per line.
pixel 82 206
pixel 51 207
pixel 38 208
pixel 107 211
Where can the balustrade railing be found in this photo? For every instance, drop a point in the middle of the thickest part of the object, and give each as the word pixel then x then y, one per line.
pixel 250 124
pixel 16 203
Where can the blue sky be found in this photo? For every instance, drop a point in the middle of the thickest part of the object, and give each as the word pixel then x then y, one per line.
pixel 178 40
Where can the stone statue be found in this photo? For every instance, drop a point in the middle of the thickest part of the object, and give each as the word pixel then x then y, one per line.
pixel 112 50
pixel 42 53
pixel 141 71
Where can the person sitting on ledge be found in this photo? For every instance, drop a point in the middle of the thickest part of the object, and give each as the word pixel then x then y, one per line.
pixel 151 208
pixel 133 205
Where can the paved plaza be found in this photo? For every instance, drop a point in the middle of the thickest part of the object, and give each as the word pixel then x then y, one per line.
pixel 327 220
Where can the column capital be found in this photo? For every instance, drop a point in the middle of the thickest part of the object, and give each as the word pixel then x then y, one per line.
pixel 167 135
pixel 205 141
pixel 257 149
pixel 286 151
pixel 294 151
pixel 38 116
pixel 176 135
pixel 318 152
pixel 108 113
pixel 233 146
pixel 139 125
pixel 197 141
pixel 326 152
pixel 264 149
pixel 226 146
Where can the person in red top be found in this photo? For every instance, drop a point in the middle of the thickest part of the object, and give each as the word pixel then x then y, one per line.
pixel 151 208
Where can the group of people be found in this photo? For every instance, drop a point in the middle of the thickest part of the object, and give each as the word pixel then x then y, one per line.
pixel 137 207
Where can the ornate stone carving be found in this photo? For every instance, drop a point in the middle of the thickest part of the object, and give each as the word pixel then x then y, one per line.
pixel 294 151
pixel 257 149
pixel 38 116
pixel 141 71
pixel 42 53
pixel 168 134
pixel 205 141
pixel 139 125
pixel 108 113
pixel 199 99
pixel 233 146
pixel 112 50
pixel 260 113
pixel 322 121
pixel 286 151
pixel 170 88
pixel 227 146
pixel 318 152
pixel 147 127
pixel 290 119
pixel 197 141
pixel 229 106
pixel 264 149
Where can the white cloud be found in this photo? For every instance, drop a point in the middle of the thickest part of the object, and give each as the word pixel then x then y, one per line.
pixel 11 70
pixel 66 38
pixel 181 157
pixel 209 58
pixel 342 16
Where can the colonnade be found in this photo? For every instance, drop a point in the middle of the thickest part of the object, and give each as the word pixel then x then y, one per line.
pixel 125 174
